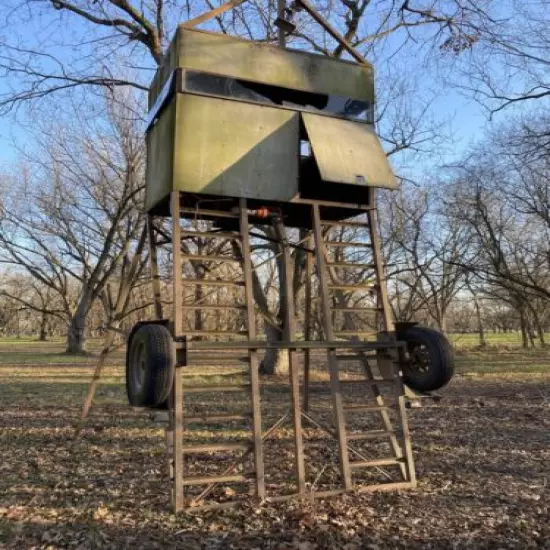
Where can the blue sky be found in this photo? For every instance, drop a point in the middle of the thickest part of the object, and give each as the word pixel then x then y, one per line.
pixel 465 120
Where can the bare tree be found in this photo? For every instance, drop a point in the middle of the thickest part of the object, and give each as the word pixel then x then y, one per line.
pixel 69 218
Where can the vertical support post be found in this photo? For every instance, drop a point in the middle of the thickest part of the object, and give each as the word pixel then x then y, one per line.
pixel 176 412
pixel 387 320
pixel 307 320
pixel 405 435
pixel 331 353
pixel 252 353
pixel 153 262
pixel 289 336
pixel 281 5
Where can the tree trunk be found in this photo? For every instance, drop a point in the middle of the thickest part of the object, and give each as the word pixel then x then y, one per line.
pixel 43 336
pixel 480 331
pixel 442 322
pixel 523 328
pixel 275 361
pixel 76 334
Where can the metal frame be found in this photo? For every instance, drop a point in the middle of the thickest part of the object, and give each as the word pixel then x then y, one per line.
pixel 388 351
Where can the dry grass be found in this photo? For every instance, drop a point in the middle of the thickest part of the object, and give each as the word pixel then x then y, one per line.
pixel 482 457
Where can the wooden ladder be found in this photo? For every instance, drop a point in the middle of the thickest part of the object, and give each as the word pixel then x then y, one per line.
pixel 387 350
pixel 178 449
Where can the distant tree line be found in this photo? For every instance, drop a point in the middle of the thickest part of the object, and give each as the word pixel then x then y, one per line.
pixel 467 245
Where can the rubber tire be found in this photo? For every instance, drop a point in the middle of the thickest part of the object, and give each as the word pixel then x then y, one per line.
pixel 440 356
pixel 153 345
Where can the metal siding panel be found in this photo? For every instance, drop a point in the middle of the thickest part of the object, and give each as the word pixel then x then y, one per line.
pixel 345 151
pixel 235 149
pixel 160 156
pixel 230 56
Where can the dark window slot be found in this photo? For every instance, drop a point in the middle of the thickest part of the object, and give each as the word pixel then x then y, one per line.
pixel 274 95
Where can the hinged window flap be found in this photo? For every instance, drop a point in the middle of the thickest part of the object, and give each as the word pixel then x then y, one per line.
pixel 348 152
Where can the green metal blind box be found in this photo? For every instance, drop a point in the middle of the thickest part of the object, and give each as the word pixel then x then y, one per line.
pixel 234 118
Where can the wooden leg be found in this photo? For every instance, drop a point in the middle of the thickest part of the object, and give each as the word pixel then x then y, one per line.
pixel 252 354
pixel 307 321
pixel 153 261
pixel 177 332
pixel 288 297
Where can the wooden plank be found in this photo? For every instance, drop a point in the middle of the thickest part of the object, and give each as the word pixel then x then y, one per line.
pixel 216 12
pixel 205 480
pixel 366 408
pixel 367 436
pixel 307 319
pixel 348 152
pixel 204 388
pixel 162 417
pixel 331 353
pixel 355 333
pixel 214 306
pixel 387 324
pixel 209 258
pixel 357 309
pixel 212 282
pixel 177 332
pixel 368 286
pixel 406 437
pixel 351 265
pixel 211 448
pixel 153 262
pixel 396 486
pixel 324 23
pixel 297 344
pixel 343 244
pixel 252 353
pixel 289 335
pixel 220 143
pixel 215 332
pixel 374 463
pixel 211 234
pixel 298 70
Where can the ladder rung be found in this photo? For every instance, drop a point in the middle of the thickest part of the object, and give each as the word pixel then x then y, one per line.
pixel 349 223
pixel 205 258
pixel 212 306
pixel 207 480
pixel 352 287
pixel 205 388
pixel 350 264
pixel 365 408
pixel 220 357
pixel 374 463
pixel 341 244
pixel 211 282
pixel 374 434
pixel 216 332
pixel 220 234
pixel 370 382
pixel 356 333
pixel 353 358
pixel 210 448
pixel 212 213
pixel 216 418
pixel 357 309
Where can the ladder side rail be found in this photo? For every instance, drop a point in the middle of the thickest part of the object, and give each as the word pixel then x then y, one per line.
pixel 289 336
pixel 252 353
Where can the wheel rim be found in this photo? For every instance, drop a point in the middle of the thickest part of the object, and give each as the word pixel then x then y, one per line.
pixel 139 362
pixel 419 358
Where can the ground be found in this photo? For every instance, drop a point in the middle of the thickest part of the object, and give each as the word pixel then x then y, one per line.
pixel 481 454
